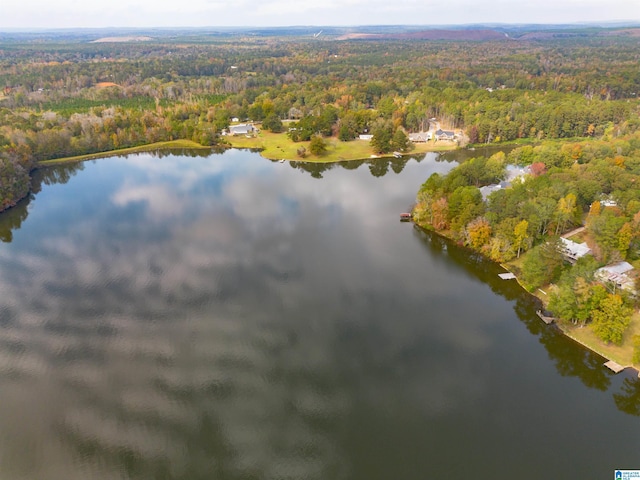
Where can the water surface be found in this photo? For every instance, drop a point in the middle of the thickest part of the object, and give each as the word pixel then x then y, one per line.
pixel 228 317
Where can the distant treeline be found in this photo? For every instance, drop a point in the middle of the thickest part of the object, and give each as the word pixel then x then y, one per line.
pixel 67 99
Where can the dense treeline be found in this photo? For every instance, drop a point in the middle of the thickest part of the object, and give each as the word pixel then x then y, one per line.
pixel 567 185
pixel 71 99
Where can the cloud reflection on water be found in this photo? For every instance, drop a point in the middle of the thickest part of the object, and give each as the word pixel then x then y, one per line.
pixel 230 317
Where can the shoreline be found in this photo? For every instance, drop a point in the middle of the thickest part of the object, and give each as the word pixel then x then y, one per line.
pixel 243 144
pixel 277 146
pixel 149 147
pixel 562 328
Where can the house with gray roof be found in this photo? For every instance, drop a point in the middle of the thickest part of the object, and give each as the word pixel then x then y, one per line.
pixel 445 134
pixel 619 274
pixel 242 129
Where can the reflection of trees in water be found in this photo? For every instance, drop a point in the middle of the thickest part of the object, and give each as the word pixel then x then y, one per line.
pixel 570 359
pixel 378 167
pixel 628 400
pixel 60 174
pixel 315 169
pixel 11 219
pixel 186 152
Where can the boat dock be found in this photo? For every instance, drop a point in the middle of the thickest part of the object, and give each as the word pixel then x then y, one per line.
pixel 544 318
pixel 614 367
pixel 507 276
pixel 405 217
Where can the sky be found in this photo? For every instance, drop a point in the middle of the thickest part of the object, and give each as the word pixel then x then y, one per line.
pixel 36 14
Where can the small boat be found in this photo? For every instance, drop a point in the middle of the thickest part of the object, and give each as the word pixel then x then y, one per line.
pixel 282 160
pixel 397 154
pixel 405 217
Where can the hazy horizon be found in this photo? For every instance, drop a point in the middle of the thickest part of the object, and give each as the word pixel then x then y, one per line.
pixel 69 14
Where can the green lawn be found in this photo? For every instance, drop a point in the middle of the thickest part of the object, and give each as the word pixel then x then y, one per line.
pixel 622 354
pixel 277 146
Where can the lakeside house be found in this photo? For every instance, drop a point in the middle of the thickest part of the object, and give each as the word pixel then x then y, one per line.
pixel 366 137
pixel 420 137
pixel 513 173
pixel 242 129
pixel 572 251
pixel 494 187
pixel 619 274
pixel 445 135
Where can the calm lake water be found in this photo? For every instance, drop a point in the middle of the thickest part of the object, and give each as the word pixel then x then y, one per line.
pixel 227 317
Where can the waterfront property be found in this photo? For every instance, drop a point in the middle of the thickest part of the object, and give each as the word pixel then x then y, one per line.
pixel 572 251
pixel 242 129
pixel 619 274
pixel 420 137
pixel 445 134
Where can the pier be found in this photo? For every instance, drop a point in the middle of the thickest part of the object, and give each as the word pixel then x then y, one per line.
pixel 614 367
pixel 544 318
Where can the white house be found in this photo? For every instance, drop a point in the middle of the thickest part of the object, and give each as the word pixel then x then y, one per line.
pixel 420 137
pixel 572 251
pixel 242 129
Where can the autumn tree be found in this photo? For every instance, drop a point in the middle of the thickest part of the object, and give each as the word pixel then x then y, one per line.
pixel 478 233
pixel 611 319
pixel 521 235
pixel 565 212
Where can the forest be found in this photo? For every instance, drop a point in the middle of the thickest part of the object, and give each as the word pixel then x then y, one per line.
pixel 68 97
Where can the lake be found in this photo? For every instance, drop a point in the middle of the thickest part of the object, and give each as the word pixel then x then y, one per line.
pixel 227 317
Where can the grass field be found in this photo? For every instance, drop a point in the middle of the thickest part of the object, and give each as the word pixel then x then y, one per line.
pixel 174 144
pixel 622 354
pixel 277 146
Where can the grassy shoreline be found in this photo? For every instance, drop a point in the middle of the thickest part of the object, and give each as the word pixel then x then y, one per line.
pixel 272 146
pixel 150 147
pixel 277 146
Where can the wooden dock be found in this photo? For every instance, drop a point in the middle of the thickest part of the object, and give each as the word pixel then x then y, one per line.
pixel 614 367
pixel 544 318
pixel 507 276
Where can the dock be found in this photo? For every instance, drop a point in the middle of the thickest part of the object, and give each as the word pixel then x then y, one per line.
pixel 544 318
pixel 405 217
pixel 507 276
pixel 614 367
